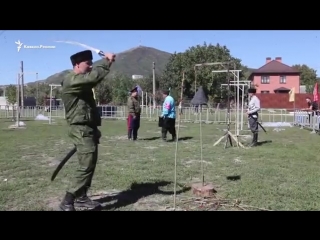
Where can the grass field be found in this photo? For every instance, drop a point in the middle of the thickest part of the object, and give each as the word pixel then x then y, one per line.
pixel 280 175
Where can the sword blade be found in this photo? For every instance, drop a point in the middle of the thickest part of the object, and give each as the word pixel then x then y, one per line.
pixel 262 127
pixel 84 46
pixel 63 162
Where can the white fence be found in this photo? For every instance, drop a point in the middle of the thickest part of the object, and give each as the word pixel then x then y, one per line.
pixel 189 114
pixel 309 120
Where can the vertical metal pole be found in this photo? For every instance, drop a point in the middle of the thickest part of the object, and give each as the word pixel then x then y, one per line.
pixel 238 103
pixel 147 104
pixel 242 106
pixel 154 86
pixel 18 101
pixel 37 87
pixel 22 85
pixel 50 104
pixel 142 101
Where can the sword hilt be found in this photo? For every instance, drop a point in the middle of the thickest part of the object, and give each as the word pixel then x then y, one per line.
pixel 101 54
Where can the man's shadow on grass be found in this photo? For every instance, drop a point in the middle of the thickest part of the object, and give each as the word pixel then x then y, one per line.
pixel 156 138
pixel 21 120
pixel 135 193
pixel 264 142
pixel 150 139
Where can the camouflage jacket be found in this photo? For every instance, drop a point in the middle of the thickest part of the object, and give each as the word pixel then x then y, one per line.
pixel 133 106
pixel 77 96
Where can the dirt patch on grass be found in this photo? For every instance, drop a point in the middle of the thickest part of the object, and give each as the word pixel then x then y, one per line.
pixel 150 147
pixel 115 138
pixel 189 163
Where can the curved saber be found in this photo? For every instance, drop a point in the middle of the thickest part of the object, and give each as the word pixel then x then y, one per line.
pixel 99 52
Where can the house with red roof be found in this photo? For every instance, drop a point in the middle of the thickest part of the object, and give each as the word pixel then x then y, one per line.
pixel 275 77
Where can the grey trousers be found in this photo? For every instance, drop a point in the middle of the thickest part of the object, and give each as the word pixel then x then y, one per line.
pixel 253 123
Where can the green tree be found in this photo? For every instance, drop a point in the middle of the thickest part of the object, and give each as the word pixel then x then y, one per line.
pixel 146 83
pixel 175 94
pixel 11 94
pixel 308 76
pixel 184 62
pixel 30 90
pixel 103 92
pixel 120 84
pixel 43 93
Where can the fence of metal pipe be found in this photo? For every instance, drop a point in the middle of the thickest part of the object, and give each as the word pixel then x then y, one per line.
pixel 307 120
pixel 189 114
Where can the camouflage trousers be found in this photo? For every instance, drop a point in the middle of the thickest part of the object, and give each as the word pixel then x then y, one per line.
pixel 86 140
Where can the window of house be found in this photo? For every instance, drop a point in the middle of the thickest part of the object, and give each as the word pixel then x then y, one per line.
pixel 283 79
pixel 265 79
pixel 265 91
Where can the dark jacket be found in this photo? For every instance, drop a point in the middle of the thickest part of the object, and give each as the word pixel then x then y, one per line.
pixel 134 106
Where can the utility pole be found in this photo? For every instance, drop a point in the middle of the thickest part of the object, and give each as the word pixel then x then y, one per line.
pixel 37 87
pixel 18 100
pixel 154 85
pixel 22 85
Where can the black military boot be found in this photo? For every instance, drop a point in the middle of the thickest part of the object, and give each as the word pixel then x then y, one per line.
pixel 164 137
pixel 174 137
pixel 85 202
pixel 254 140
pixel 67 203
pixel 135 135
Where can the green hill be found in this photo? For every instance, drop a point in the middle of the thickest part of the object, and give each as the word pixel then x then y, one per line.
pixel 135 61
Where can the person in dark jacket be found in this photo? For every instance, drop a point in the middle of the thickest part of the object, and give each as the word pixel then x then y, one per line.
pixel 312 108
pixel 134 109
pixel 169 116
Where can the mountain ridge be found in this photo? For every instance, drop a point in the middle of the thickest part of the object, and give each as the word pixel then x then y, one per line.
pixel 134 61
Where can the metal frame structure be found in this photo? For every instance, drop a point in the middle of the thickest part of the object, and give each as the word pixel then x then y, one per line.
pixel 226 65
pixel 52 86
pixel 19 95
pixel 239 84
pixel 236 76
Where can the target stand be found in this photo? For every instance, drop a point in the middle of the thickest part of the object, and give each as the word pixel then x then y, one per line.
pixel 228 136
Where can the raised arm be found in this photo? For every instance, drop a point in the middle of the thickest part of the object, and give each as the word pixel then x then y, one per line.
pixel 92 78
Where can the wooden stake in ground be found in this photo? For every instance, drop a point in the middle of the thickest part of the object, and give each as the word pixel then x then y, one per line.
pixel 199 99
pixel 177 141
pixel 201 189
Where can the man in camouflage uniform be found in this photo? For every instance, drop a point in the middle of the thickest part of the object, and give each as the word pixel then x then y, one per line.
pixel 134 114
pixel 83 119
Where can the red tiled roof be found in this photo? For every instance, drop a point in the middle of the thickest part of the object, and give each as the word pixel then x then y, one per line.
pixel 276 67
